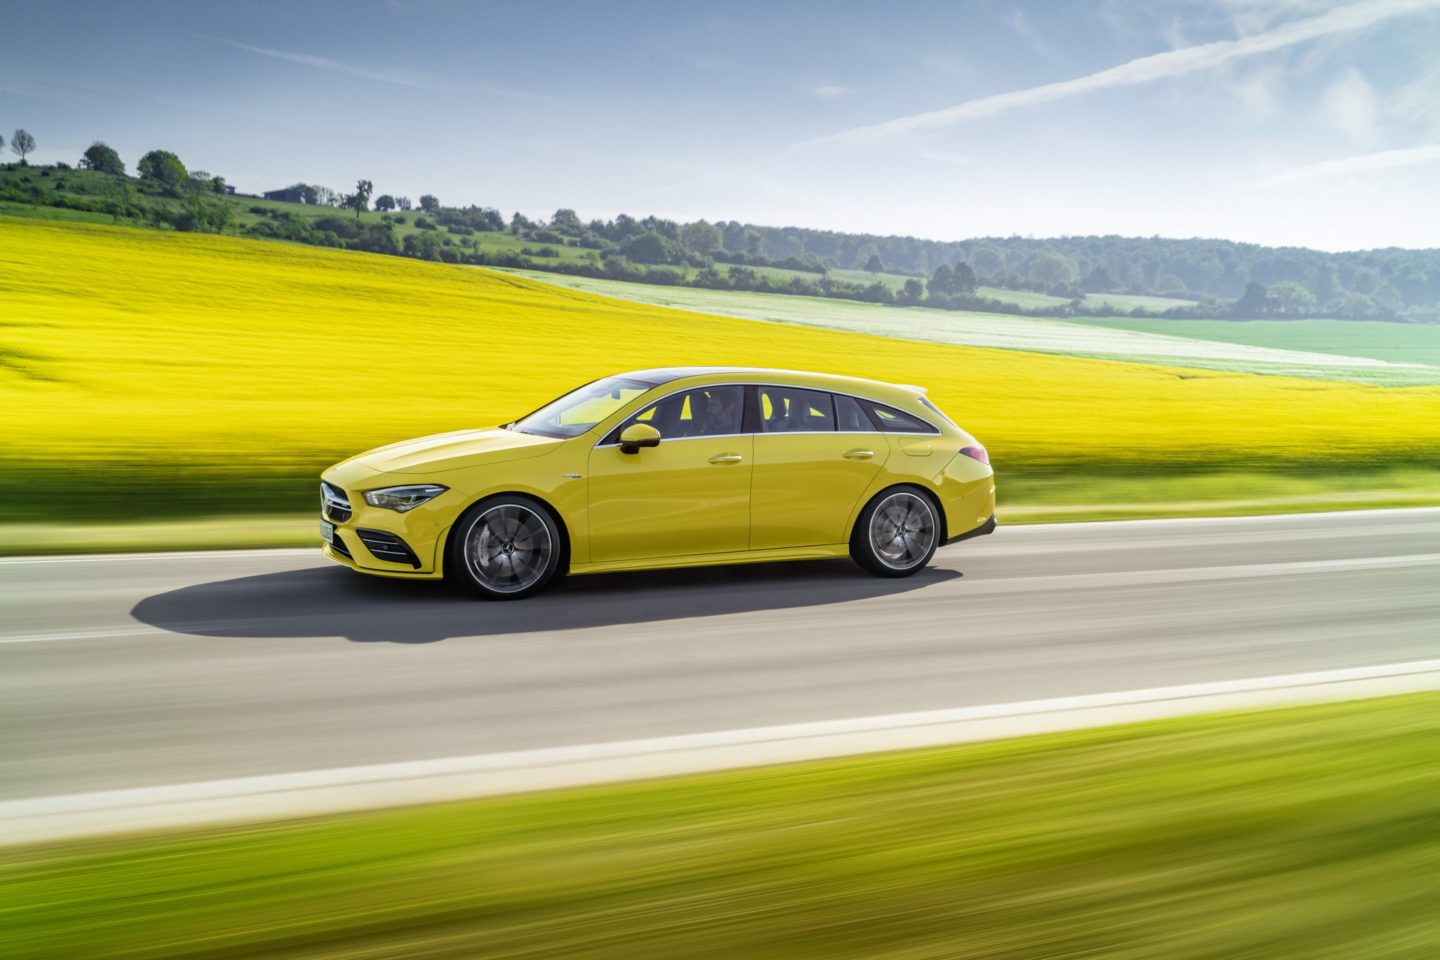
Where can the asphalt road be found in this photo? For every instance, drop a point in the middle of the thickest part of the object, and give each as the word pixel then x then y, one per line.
pixel 133 671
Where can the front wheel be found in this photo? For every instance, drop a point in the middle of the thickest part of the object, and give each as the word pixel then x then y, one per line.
pixel 896 534
pixel 504 548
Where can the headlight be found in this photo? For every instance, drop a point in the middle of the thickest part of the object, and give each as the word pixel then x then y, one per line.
pixel 404 498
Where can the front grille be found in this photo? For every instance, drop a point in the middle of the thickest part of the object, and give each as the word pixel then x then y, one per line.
pixel 334 504
pixel 387 546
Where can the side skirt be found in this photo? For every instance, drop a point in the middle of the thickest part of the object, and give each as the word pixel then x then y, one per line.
pixel 825 552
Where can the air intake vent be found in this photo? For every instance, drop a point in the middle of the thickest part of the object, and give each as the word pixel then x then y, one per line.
pixel 387 546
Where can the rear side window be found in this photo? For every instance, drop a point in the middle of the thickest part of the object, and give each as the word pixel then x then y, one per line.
pixel 793 410
pixel 891 420
pixel 849 418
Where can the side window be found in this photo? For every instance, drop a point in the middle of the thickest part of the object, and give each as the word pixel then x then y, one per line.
pixel 849 418
pixel 793 410
pixel 702 412
pixel 891 420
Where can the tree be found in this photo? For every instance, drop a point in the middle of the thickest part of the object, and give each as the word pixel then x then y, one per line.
pixel 403 203
pixel 1051 269
pixel 942 281
pixel 22 143
pixel 103 159
pixel 952 282
pixel 1170 285
pixel 566 221
pixel 1292 299
pixel 1254 303
pixel 384 202
pixel 874 264
pixel 911 292
pixel 701 238
pixel 965 281
pixel 217 184
pixel 1098 281
pixel 649 247
pixel 520 222
pixel 163 168
pixel 429 203
pixel 359 201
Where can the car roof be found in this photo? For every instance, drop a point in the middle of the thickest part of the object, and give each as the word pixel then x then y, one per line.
pixel 822 381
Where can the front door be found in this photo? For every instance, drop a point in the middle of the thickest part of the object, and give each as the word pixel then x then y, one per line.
pixel 810 470
pixel 689 496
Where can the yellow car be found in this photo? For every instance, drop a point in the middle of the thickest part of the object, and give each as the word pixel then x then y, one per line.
pixel 667 468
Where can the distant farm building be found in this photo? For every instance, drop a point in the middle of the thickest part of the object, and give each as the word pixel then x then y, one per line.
pixel 287 195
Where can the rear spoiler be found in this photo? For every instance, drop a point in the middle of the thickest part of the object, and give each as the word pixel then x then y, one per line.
pixel 910 386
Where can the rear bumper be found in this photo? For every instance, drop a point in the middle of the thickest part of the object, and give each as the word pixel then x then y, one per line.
pixel 985 528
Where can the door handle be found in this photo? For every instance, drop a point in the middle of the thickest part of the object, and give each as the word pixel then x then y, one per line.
pixel 859 454
pixel 726 458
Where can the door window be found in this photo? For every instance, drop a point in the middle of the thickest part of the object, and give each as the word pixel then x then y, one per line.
pixel 849 418
pixel 794 410
pixel 702 412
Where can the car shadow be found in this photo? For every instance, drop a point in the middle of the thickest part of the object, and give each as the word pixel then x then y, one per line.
pixel 332 601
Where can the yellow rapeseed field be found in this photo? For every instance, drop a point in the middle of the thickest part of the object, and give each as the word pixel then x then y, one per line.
pixel 125 346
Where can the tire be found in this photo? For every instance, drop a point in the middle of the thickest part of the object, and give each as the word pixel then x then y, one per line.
pixel 897 533
pixel 504 548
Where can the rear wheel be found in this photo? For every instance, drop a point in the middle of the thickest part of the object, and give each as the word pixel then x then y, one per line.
pixel 897 533
pixel 505 548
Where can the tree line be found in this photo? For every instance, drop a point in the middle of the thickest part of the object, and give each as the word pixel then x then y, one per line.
pixel 1217 277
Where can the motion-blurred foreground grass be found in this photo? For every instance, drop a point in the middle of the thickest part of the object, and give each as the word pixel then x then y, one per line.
pixel 148 375
pixel 1309 833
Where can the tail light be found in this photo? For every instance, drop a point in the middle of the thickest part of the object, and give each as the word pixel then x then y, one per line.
pixel 976 452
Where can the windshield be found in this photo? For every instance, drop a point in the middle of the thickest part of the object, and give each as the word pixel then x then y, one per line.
pixel 581 409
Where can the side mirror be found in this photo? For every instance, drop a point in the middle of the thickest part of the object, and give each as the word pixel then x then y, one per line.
pixel 638 435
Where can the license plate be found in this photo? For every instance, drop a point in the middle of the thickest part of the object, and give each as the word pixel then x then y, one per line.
pixel 327 531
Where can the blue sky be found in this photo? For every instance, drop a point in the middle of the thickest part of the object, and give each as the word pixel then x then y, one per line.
pixel 1274 121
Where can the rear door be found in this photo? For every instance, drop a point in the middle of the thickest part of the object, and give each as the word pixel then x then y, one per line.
pixel 815 456
pixel 689 496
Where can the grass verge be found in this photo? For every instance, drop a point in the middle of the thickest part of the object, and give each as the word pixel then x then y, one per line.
pixel 1310 832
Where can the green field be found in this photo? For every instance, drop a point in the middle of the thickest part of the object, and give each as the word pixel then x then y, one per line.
pixel 1024 299
pixel 1308 833
pixel 1379 340
pixel 1038 334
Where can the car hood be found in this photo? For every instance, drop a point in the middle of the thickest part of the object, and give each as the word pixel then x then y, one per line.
pixel 451 451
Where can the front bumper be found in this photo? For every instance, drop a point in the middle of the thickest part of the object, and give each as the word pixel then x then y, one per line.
pixel 383 542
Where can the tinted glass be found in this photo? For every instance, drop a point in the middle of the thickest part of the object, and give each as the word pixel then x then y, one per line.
pixel 793 410
pixel 849 418
pixel 896 421
pixel 702 412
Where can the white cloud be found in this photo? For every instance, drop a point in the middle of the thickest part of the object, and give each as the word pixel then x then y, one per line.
pixel 400 78
pixel 1159 66
pixel 830 91
pixel 1350 166
pixel 1351 107
pixel 1021 25
pixel 1259 94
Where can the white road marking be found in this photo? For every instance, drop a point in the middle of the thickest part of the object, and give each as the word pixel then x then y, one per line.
pixel 317 792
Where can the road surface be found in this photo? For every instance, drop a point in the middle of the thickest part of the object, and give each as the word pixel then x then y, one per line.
pixel 144 670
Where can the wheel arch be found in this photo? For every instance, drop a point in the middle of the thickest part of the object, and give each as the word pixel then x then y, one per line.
pixel 931 495
pixel 561 524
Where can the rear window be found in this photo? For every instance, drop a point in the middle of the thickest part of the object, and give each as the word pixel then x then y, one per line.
pixel 890 420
